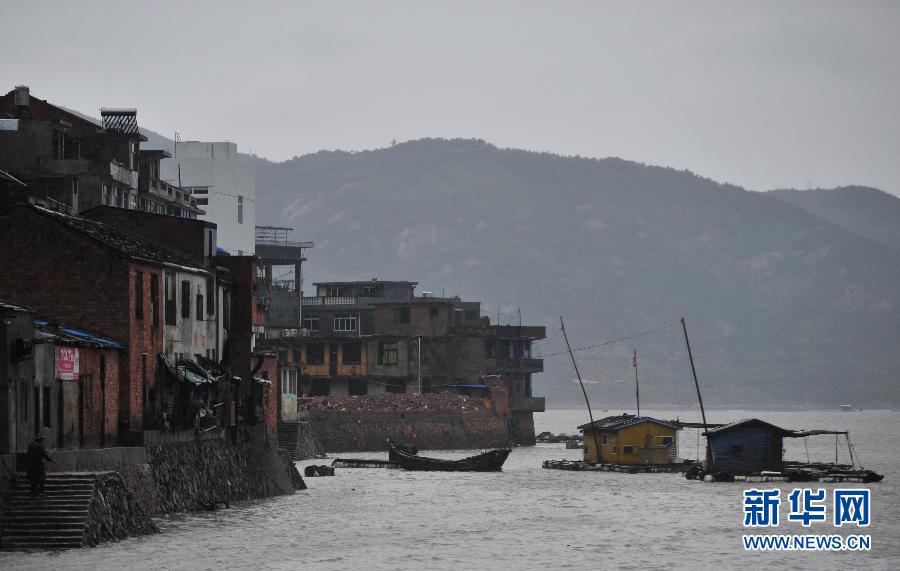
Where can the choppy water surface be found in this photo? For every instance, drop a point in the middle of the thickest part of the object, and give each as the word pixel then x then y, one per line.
pixel 522 518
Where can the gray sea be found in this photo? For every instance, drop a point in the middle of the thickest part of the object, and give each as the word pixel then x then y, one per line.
pixel 523 518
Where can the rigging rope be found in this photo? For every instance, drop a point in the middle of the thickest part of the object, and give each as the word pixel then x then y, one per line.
pixel 619 340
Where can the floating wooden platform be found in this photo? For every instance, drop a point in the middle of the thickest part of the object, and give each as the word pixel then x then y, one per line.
pixel 582 466
pixel 363 463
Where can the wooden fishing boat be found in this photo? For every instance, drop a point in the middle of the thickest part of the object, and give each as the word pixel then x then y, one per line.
pixel 490 461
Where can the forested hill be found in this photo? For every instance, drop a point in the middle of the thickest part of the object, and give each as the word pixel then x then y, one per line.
pixel 867 211
pixel 784 308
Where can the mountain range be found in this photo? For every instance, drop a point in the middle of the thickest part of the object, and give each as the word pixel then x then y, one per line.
pixel 792 298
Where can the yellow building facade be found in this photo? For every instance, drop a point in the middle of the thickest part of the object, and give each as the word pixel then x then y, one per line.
pixel 629 439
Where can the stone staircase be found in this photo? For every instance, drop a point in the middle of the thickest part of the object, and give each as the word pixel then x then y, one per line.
pixel 288 433
pixel 56 520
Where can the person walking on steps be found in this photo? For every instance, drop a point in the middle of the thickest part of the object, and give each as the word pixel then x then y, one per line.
pixel 37 472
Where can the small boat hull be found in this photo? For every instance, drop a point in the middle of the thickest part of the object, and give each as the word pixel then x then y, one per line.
pixel 491 461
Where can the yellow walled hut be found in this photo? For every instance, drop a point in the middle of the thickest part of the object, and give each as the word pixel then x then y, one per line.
pixel 630 439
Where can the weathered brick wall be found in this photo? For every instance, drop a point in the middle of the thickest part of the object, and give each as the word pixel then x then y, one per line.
pixel 177 234
pixel 92 416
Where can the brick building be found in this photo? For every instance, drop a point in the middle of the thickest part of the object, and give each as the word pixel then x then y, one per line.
pixel 123 286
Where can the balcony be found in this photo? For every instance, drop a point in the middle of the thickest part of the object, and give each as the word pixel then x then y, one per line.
pixel 527 404
pixel 343 300
pixel 124 175
pixel 523 365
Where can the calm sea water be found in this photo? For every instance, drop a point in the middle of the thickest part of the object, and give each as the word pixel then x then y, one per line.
pixel 522 518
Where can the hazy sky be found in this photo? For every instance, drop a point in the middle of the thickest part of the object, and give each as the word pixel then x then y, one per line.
pixel 761 94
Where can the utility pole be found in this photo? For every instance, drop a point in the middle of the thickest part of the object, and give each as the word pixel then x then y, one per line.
pixel 580 382
pixel 419 366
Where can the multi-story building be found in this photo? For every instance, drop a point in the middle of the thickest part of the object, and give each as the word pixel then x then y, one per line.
pixel 374 337
pixel 71 163
pixel 222 186
pixel 158 196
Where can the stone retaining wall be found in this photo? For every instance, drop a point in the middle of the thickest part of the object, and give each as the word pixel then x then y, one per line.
pixel 115 514
pixel 351 432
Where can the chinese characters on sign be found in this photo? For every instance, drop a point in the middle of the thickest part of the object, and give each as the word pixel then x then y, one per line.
pixel 850 506
pixel 67 363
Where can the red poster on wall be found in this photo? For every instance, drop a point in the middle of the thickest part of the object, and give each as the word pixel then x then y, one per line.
pixel 67 363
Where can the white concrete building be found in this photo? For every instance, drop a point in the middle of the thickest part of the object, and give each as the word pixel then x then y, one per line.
pixel 223 187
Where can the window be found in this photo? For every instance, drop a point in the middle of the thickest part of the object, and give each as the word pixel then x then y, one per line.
pixel 104 195
pixel 433 312
pixel 240 209
pixel 344 322
pixel 170 298
pixel 199 305
pixel 357 387
pixel 471 315
pixel 210 296
pixel 335 291
pixel 59 145
pixel 604 439
pixel 627 449
pixel 226 309
pixel 401 315
pixel 351 353
pixel 663 440
pixel 185 299
pixel 388 353
pixel 202 201
pixel 315 354
pixel 310 322
pixel 139 295
pixel 198 189
pixel 154 300
pixel 132 202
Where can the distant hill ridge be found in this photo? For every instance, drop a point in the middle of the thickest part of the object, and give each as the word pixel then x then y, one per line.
pixel 787 306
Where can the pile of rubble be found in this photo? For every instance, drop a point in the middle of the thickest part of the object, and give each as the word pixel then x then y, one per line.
pixel 394 402
pixel 550 438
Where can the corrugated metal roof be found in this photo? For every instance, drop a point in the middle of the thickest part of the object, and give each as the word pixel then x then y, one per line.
pixel 621 421
pixel 46 332
pixel 14 307
pixel 746 422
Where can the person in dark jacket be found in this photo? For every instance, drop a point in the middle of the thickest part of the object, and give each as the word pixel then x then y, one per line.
pixel 37 473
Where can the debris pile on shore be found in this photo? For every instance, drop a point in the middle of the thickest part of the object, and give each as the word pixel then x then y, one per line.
pixel 550 438
pixel 391 402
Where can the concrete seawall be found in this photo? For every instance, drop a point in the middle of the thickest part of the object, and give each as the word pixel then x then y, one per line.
pixel 438 430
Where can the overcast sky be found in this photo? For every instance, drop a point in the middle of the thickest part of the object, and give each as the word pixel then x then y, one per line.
pixel 760 94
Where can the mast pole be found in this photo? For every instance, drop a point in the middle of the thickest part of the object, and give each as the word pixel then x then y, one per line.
pixel 687 342
pixel 637 386
pixel 580 382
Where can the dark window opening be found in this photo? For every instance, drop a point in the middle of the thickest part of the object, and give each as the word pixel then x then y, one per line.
pixel 351 353
pixel 199 306
pixel 315 354
pixel 310 322
pixel 139 295
pixel 186 299
pixel 471 315
pixel 46 406
pixel 210 292
pixel 170 299
pixel 320 388
pixel 87 382
pixel 627 449
pixel 357 387
pixel 433 312
pixel 388 353
pixel 401 314
pixel 154 300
